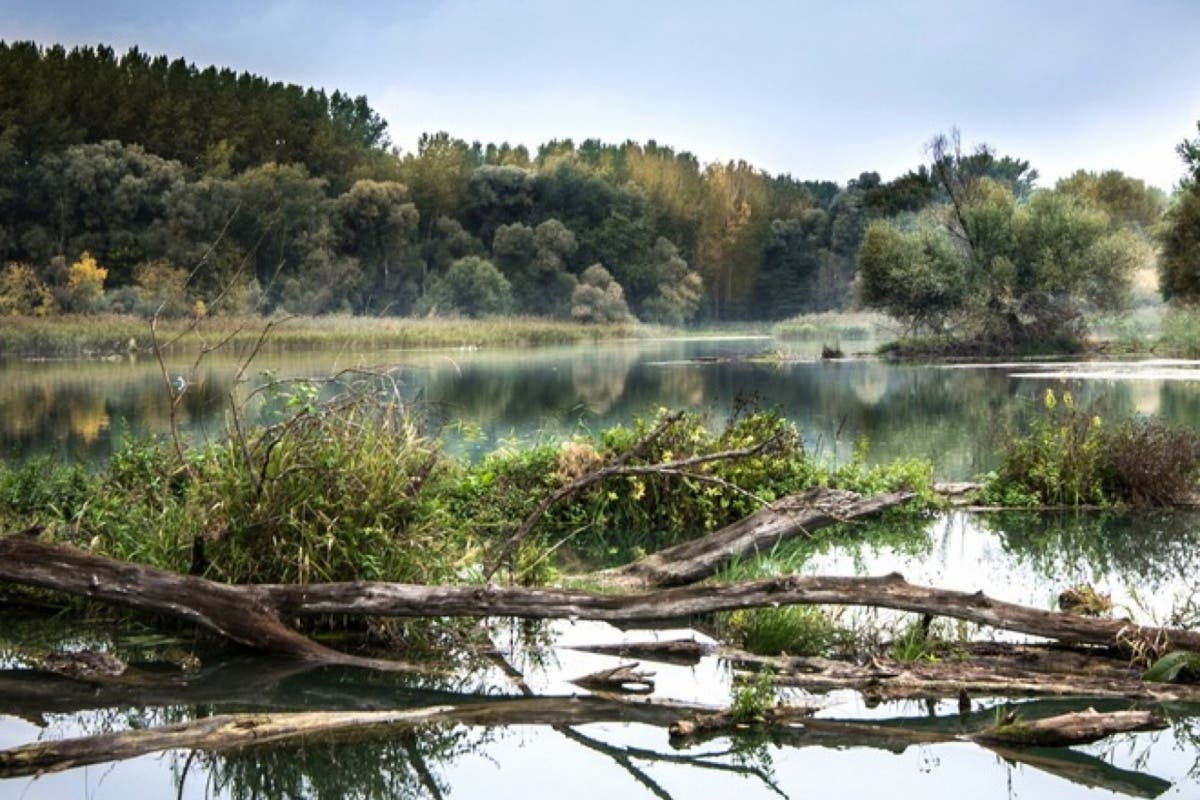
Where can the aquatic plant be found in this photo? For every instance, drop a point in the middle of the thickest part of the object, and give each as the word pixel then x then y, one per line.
pixel 753 699
pixel 1070 457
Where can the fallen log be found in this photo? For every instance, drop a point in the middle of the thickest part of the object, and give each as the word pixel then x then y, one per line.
pixel 686 652
pixel 624 678
pixel 1083 727
pixel 237 613
pixel 986 670
pixel 225 733
pixel 788 517
pixel 251 614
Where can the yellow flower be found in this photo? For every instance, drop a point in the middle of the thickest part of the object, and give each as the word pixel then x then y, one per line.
pixel 1048 400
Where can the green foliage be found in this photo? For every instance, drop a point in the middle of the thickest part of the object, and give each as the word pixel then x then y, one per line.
pixel 795 630
pixel 1127 201
pixel 40 489
pixel 1180 333
pixel 752 700
pixel 598 298
pixel 1070 457
pixel 472 287
pixel 22 293
pixel 1181 666
pixel 996 268
pixel 916 642
pixel 1179 262
pixel 1059 462
pixel 680 291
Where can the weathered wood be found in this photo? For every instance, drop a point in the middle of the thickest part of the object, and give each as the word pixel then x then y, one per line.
pixel 239 613
pixel 686 652
pixel 726 721
pixel 987 670
pixel 1083 727
pixel 625 678
pixel 788 517
pixel 227 732
pixel 224 733
pixel 250 615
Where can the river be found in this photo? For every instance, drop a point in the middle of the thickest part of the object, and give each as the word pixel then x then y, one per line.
pixel 954 415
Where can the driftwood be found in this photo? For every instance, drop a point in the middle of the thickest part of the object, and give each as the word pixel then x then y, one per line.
pixel 723 722
pixel 624 678
pixel 794 515
pixel 224 733
pixel 1083 727
pixel 237 613
pixel 686 652
pixel 985 670
pixel 251 615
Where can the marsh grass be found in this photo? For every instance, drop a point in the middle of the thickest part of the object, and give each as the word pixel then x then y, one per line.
pixel 833 326
pixel 108 334
pixel 1180 333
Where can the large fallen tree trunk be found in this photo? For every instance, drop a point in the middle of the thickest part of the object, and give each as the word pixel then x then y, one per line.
pixel 250 614
pixel 229 732
pixel 237 613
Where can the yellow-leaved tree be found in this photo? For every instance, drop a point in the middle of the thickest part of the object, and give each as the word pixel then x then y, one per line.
pixel 22 293
pixel 85 283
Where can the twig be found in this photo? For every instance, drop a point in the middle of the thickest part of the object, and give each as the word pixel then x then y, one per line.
pixel 618 468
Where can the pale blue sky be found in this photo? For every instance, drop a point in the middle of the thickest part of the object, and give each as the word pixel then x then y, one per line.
pixel 821 90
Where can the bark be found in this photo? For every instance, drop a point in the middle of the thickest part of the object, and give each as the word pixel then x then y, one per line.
pixel 238 613
pixel 624 678
pixel 1083 727
pixel 786 518
pixel 686 652
pixel 250 615
pixel 227 732
pixel 793 727
pixel 986 670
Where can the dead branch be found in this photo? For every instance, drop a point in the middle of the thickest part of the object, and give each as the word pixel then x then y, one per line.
pixel 985 670
pixel 1083 727
pixel 250 615
pixel 686 652
pixel 624 678
pixel 788 517
pixel 619 467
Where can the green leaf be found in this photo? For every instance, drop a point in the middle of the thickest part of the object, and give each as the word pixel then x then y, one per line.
pixel 1181 666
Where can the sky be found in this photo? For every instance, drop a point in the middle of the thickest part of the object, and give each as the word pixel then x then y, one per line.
pixel 819 90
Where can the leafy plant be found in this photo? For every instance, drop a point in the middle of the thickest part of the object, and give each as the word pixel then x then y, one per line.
pixel 752 700
pixel 1180 666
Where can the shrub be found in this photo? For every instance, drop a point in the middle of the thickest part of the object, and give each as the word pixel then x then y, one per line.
pixel 599 298
pixel 1071 458
pixel 1151 462
pixel 22 293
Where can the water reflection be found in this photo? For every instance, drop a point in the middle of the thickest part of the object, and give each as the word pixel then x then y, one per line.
pixel 606 750
pixel 957 417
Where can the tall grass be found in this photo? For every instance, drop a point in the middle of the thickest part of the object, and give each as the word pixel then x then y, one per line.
pixel 833 326
pixel 106 334
pixel 354 489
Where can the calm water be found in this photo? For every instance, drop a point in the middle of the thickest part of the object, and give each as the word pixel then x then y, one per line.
pixel 1146 562
pixel 954 415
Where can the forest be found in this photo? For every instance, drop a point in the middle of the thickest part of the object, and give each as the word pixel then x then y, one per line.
pixel 138 184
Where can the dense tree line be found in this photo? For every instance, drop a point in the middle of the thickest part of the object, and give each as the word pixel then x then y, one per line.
pixel 183 184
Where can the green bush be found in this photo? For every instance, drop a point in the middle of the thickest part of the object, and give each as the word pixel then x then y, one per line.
pixel 1071 458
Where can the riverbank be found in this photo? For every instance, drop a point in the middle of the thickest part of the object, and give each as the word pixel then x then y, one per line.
pixel 111 334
